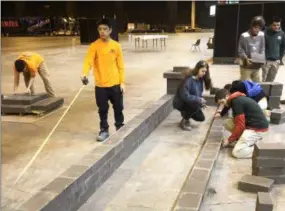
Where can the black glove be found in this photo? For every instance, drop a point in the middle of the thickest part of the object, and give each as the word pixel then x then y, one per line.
pixel 85 80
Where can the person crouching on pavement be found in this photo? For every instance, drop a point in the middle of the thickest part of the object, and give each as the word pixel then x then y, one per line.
pixel 250 89
pixel 188 99
pixel 248 124
pixel 30 64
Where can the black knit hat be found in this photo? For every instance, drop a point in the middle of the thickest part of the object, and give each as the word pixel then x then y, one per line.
pixel 104 21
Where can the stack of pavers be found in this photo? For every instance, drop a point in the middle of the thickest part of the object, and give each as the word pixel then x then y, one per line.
pixel 174 79
pixel 269 161
pixel 274 92
pixel 268 168
pixel 26 104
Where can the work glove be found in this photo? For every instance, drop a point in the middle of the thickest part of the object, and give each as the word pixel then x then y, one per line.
pixel 84 80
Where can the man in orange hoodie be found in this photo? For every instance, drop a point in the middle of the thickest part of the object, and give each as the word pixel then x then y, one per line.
pixel 248 125
pixel 106 57
pixel 30 64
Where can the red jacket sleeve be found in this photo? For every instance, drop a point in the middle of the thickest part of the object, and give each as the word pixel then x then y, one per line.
pixel 239 127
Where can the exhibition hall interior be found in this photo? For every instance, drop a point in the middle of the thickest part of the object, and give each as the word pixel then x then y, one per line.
pixel 142 105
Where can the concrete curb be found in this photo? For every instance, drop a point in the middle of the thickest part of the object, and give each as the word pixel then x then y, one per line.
pixel 74 186
pixel 194 188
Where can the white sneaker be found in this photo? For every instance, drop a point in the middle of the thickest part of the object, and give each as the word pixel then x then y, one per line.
pixel 185 125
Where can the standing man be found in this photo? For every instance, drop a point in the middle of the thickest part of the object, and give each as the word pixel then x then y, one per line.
pixel 106 57
pixel 251 50
pixel 30 64
pixel 274 50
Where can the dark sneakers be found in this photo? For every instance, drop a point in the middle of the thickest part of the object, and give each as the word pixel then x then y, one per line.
pixel 119 127
pixel 103 135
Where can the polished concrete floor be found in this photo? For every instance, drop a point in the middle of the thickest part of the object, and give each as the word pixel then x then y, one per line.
pixel 22 136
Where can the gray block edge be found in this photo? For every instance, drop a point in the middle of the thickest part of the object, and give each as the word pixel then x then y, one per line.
pixel 196 167
pixel 75 194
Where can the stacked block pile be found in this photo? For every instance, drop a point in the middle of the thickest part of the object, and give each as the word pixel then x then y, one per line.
pixel 269 161
pixel 27 104
pixel 268 168
pixel 274 92
pixel 262 187
pixel 173 79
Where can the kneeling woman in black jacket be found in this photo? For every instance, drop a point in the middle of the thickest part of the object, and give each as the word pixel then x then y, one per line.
pixel 188 99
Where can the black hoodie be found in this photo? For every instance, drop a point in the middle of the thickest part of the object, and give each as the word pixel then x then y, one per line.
pixel 274 44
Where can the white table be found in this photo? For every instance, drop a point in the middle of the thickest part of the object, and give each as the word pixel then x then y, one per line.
pixel 144 40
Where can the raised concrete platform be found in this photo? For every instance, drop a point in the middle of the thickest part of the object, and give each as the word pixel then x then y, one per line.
pixel 23 104
pixel 153 176
pixel 74 186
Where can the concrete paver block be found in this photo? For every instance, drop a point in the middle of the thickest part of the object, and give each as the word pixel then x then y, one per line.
pixel 277 113
pixel 195 186
pixel 173 75
pixel 274 102
pixel 172 85
pixel 272 150
pixel 15 109
pixel 264 202
pixel 210 99
pixel 37 202
pixel 266 86
pixel 23 99
pixel 209 154
pixel 277 121
pixel 58 184
pixel 268 162
pixel 47 104
pixel 254 184
pixel 264 171
pixel 180 68
pixel 277 179
pixel 190 200
pixel 276 89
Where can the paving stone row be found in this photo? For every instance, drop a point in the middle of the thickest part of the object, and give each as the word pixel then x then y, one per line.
pixel 74 186
pixel 193 190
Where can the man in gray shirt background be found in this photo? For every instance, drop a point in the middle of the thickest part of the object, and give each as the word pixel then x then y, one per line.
pixel 274 50
pixel 251 50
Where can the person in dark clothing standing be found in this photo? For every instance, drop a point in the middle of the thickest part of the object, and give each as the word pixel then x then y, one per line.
pixel 248 125
pixel 106 57
pixel 251 90
pixel 188 99
pixel 274 50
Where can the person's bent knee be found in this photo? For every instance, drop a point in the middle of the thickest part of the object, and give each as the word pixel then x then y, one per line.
pixel 201 119
pixel 244 153
pixel 228 124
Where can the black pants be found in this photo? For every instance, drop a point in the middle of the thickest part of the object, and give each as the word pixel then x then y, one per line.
pixel 193 113
pixel 114 94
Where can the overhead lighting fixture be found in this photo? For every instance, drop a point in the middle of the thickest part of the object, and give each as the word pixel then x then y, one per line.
pixel 213 10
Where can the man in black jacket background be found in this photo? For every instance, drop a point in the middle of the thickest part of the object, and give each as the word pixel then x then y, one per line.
pixel 274 50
